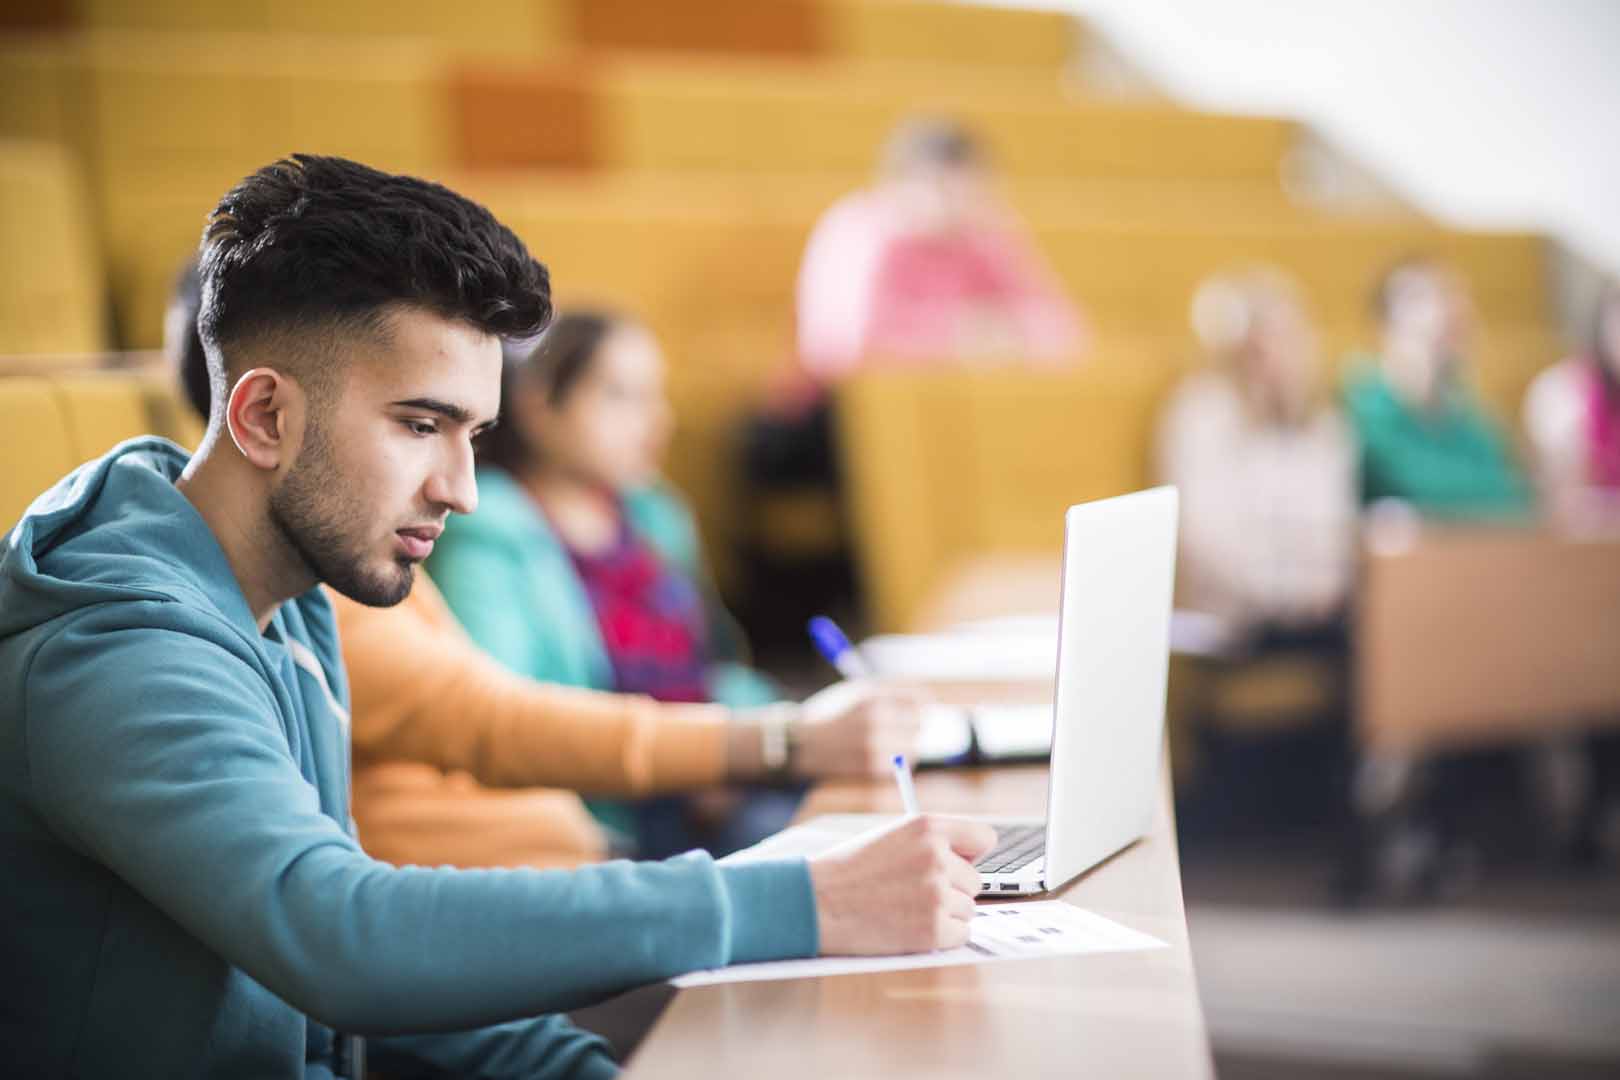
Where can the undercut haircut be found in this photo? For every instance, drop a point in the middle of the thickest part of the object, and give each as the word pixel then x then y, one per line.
pixel 310 249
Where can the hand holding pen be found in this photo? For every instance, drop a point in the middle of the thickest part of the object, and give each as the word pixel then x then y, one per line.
pixel 855 726
pixel 924 863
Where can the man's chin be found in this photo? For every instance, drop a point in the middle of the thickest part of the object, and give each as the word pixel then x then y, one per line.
pixel 379 590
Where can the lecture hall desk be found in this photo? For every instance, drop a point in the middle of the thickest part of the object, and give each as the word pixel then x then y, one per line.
pixel 1113 1015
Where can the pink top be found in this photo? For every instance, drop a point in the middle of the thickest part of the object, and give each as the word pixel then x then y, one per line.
pixel 1602 428
pixel 1573 418
pixel 867 289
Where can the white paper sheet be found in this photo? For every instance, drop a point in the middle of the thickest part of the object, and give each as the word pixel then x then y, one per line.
pixel 1020 931
pixel 821 833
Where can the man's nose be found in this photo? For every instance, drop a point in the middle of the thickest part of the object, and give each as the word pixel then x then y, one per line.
pixel 454 484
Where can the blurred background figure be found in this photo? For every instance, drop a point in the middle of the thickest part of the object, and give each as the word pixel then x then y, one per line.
pixel 1266 468
pixel 1425 438
pixel 581 568
pixel 1572 418
pixel 1267 473
pixel 927 264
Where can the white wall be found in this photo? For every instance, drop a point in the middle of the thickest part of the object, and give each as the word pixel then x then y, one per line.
pixel 1485 113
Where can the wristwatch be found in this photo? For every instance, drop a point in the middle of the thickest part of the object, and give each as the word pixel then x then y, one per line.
pixel 776 738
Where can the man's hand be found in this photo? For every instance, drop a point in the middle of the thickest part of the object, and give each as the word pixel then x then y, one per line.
pixel 855 729
pixel 907 889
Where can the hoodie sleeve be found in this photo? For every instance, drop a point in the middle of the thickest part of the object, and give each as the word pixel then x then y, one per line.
pixel 160 754
pixel 545 1048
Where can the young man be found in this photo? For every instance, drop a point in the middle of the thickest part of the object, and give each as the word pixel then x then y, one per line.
pixel 184 894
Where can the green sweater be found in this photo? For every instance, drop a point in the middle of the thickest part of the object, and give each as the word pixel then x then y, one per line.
pixel 1448 462
pixel 184 895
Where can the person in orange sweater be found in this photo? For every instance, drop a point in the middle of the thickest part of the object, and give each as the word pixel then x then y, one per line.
pixel 458 761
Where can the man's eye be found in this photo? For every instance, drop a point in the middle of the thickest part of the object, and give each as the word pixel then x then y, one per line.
pixel 420 427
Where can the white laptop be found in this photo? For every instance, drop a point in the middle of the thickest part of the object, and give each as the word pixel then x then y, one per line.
pixel 1107 714
pixel 1113 662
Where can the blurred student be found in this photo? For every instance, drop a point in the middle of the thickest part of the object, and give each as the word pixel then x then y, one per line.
pixel 924 266
pixel 927 264
pixel 1425 438
pixel 1572 416
pixel 1266 469
pixel 582 568
pixel 184 894
pixel 452 751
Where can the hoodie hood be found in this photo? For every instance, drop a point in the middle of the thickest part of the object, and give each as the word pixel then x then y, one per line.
pixel 115 529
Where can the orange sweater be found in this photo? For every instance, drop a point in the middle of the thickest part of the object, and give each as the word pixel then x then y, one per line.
pixel 439 726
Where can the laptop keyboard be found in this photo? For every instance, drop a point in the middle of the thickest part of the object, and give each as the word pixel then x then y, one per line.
pixel 1016 847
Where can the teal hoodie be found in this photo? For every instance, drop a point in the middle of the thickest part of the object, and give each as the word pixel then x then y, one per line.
pixel 184 895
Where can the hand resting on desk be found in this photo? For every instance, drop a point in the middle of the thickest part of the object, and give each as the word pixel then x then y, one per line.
pixel 907 889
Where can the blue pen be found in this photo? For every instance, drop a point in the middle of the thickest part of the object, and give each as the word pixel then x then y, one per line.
pixel 831 643
pixel 902 779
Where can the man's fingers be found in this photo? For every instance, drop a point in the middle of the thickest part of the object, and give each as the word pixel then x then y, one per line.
pixel 963 877
pixel 969 839
pixel 960 906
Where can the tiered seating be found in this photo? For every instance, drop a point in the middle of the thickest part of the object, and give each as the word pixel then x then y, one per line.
pixel 101 410
pixel 947 466
pixel 671 160
pixel 944 466
pixel 881 30
pixel 50 272
pixel 812 117
pixel 51 423
pixel 34 443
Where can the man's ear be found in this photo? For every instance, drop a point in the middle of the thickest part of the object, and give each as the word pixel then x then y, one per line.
pixel 258 416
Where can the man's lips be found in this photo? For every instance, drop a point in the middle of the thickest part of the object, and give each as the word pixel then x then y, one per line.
pixel 417 542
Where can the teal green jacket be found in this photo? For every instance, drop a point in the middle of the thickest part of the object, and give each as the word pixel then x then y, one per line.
pixel 1452 462
pixel 184 895
pixel 506 575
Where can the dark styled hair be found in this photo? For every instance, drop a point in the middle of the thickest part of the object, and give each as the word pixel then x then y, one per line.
pixel 189 356
pixel 313 244
pixel 554 364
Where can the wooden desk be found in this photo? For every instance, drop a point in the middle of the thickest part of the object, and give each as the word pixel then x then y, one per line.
pixel 1111 1015
pixel 1474 636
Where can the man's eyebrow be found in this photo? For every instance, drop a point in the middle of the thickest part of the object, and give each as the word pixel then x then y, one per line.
pixel 446 409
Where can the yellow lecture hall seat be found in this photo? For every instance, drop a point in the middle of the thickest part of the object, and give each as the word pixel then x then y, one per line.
pixel 101 410
pixel 34 443
pixel 50 273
